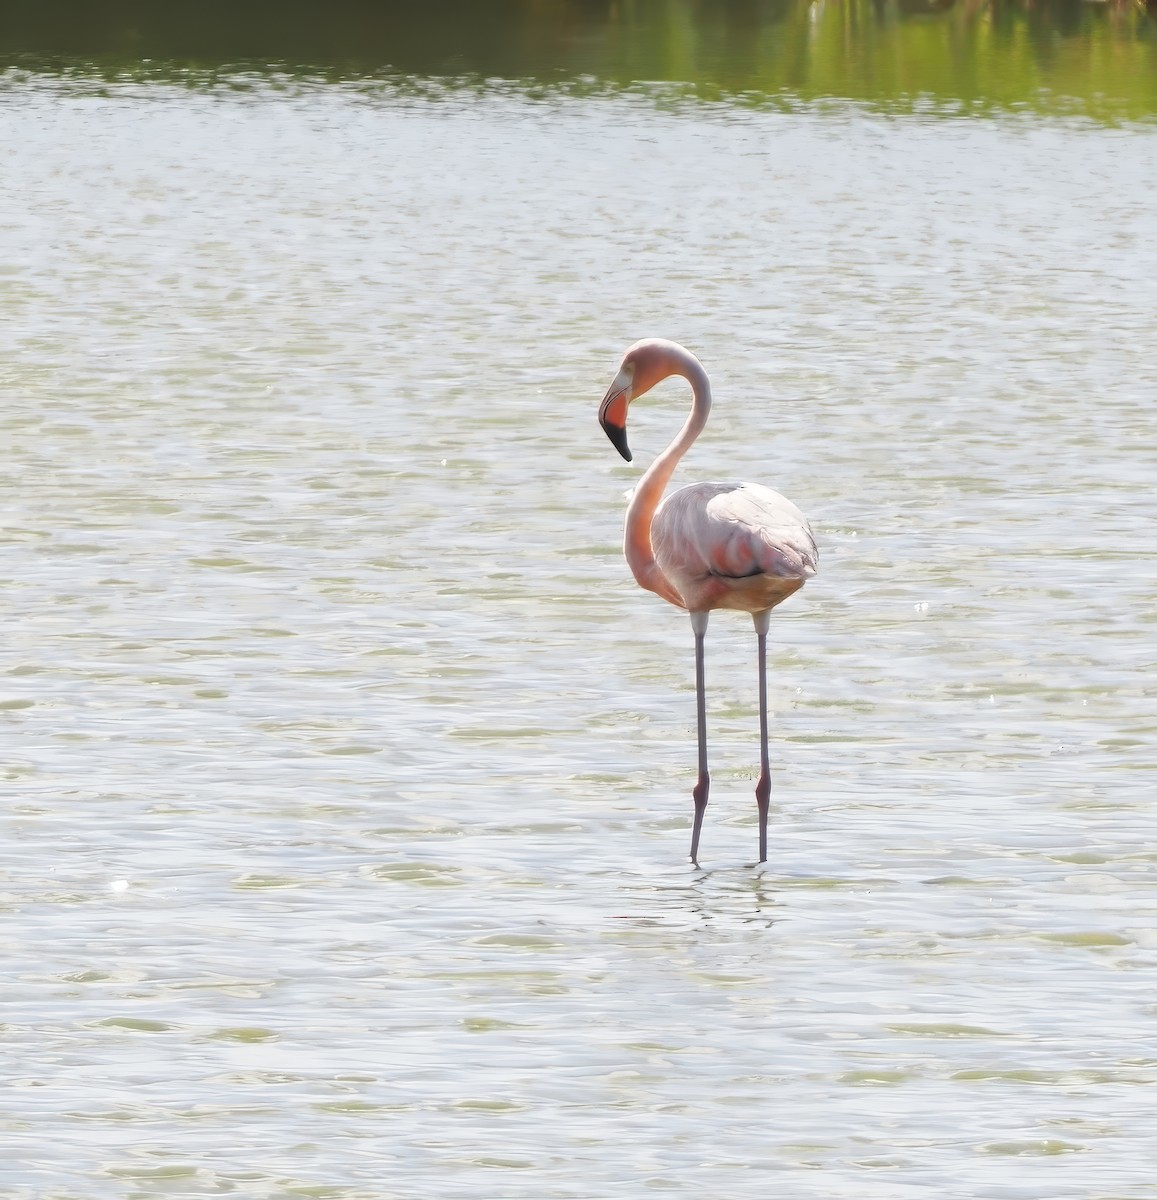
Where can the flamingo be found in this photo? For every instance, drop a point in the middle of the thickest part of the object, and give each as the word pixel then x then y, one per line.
pixel 707 545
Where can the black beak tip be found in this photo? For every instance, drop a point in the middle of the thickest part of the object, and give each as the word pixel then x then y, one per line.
pixel 618 436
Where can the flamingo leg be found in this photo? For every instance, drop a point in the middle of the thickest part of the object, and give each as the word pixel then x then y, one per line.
pixel 703 786
pixel 763 787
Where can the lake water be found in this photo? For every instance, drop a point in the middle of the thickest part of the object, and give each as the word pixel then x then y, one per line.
pixel 347 772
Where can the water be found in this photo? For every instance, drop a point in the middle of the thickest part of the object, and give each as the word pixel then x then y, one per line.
pixel 348 773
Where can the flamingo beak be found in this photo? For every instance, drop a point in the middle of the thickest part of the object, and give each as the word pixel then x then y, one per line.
pixel 613 414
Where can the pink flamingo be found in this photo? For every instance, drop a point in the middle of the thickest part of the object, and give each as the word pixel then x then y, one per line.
pixel 708 545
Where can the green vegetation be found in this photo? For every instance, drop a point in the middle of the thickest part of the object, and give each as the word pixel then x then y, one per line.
pixel 1093 57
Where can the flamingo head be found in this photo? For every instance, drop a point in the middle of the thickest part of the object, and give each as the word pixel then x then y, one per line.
pixel 645 364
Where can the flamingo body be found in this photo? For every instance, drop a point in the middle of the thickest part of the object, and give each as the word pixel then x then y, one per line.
pixel 707 545
pixel 732 545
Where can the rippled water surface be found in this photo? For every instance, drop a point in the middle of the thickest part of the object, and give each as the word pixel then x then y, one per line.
pixel 348 773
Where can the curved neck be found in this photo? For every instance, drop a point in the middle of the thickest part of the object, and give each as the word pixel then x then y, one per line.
pixel 649 492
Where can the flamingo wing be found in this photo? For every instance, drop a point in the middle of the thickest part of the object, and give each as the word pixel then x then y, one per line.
pixel 733 531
